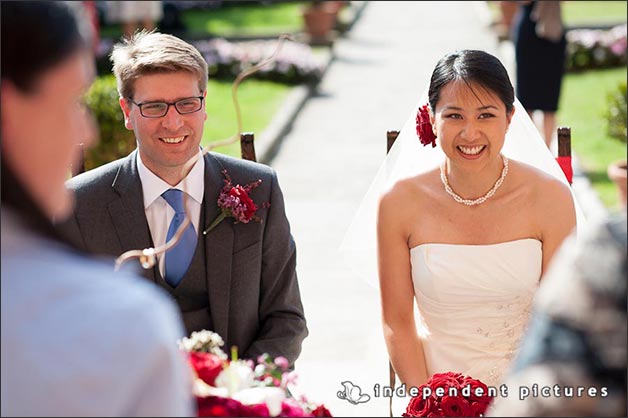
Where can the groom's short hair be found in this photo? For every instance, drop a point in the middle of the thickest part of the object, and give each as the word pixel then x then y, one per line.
pixel 155 53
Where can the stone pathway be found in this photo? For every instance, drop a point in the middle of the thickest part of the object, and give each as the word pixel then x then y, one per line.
pixel 326 163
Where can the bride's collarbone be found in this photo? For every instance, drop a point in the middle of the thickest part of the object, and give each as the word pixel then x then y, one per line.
pixel 488 223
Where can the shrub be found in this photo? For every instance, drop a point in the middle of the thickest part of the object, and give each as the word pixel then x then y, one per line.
pixel 616 112
pixel 115 140
pixel 596 48
pixel 294 64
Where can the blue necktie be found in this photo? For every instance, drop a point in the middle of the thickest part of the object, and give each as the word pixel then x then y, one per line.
pixel 178 258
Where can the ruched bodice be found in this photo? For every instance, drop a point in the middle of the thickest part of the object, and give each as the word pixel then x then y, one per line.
pixel 474 302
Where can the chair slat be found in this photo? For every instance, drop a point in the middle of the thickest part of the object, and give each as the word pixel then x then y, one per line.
pixel 247 146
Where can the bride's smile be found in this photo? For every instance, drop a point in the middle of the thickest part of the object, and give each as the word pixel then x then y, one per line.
pixel 471 153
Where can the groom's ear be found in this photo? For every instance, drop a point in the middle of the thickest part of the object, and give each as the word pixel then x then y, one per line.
pixel 126 111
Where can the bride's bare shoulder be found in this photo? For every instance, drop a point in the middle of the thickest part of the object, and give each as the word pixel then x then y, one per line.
pixel 411 191
pixel 541 187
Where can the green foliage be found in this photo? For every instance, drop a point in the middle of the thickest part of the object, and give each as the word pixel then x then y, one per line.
pixel 245 19
pixel 616 112
pixel 115 141
pixel 596 48
pixel 233 19
pixel 582 104
pixel 259 101
pixel 597 12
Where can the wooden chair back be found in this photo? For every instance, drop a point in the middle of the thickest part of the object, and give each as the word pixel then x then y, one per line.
pixel 247 146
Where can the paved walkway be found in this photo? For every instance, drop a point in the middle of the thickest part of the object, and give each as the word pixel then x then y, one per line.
pixel 326 163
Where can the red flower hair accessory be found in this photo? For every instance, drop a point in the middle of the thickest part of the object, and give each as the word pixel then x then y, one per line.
pixel 424 127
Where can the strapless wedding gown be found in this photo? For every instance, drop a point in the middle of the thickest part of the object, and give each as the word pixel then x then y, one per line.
pixel 474 302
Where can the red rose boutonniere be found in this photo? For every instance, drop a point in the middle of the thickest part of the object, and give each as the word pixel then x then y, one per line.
pixel 424 127
pixel 235 202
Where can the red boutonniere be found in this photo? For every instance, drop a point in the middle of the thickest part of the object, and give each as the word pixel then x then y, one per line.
pixel 235 202
pixel 424 127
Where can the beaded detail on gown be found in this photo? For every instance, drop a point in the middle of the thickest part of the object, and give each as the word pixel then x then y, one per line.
pixel 474 302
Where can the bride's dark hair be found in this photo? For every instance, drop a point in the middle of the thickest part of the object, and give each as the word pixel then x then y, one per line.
pixel 472 66
pixel 36 36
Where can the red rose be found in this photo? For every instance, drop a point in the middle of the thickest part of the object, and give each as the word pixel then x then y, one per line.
pixel 419 407
pixel 247 203
pixel 291 409
pixel 321 411
pixel 473 385
pixel 455 406
pixel 206 365
pixel 257 410
pixel 445 381
pixel 424 127
pixel 216 406
pixel 478 409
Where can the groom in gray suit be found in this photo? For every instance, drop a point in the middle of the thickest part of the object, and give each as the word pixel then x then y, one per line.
pixel 238 279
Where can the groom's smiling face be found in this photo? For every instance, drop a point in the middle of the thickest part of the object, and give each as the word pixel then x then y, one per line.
pixel 166 143
pixel 471 123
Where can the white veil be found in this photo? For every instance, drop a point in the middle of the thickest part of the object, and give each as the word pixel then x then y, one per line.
pixel 408 157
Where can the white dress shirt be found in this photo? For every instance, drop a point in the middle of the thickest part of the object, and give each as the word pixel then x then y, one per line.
pixel 159 213
pixel 81 340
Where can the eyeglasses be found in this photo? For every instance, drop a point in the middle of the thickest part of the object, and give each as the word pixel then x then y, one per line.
pixel 160 109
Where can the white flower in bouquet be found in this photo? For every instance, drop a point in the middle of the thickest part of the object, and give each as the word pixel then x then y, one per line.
pixel 271 396
pixel 203 341
pixel 238 375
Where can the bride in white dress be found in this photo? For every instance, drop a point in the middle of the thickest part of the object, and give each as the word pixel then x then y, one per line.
pixel 469 238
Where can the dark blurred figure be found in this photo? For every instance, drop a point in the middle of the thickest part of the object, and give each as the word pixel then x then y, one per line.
pixel 171 21
pixel 577 335
pixel 540 48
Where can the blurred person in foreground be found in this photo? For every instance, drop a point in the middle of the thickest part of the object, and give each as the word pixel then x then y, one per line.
pixel 77 339
pixel 574 352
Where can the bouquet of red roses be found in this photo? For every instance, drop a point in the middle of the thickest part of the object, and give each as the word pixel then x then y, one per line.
pixel 449 395
pixel 226 387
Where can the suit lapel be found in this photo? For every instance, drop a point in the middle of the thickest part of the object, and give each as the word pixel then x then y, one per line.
pixel 218 247
pixel 127 212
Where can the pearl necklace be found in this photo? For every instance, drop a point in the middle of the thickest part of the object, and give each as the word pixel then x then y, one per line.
pixel 481 199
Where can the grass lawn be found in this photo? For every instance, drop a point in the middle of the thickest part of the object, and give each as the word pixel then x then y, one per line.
pixel 251 20
pixel 236 20
pixel 576 13
pixel 579 13
pixel 582 106
pixel 259 101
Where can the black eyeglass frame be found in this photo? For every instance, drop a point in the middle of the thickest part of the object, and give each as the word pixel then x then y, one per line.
pixel 168 104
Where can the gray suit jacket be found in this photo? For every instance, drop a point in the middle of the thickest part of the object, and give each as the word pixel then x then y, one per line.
pixel 253 292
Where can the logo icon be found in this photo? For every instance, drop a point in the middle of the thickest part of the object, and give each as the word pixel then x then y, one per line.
pixel 352 393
